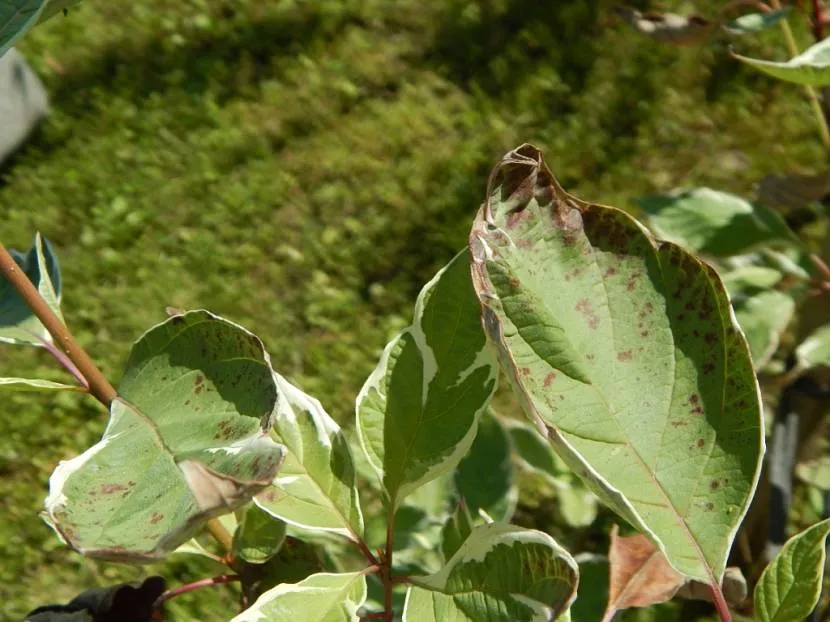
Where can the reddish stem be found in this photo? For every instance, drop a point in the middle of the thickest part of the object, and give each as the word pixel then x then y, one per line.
pixel 818 21
pixel 364 549
pixel 64 360
pixel 720 604
pixel 387 562
pixel 196 585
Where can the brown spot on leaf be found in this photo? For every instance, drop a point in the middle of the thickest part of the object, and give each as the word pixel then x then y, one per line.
pixel 525 371
pixel 156 517
pixel 108 489
pixel 585 307
pixel 679 423
pixel 624 356
pixel 709 338
pixel 549 379
pixel 700 443
pixel 708 368
pixel 610 272
pixel 514 282
pixel 198 389
pixel 714 484
pixel 693 398
pixel 710 506
pixel 198 380
pixel 644 333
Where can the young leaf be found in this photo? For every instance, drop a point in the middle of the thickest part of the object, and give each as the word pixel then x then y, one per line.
pixel 811 67
pixel 756 22
pixel 712 222
pixel 187 440
pixel 35 384
pixel 815 472
pixel 814 351
pixel 790 585
pixel 316 487
pixel 627 350
pixel 418 412
pixel 40 263
pixel 324 596
pixel 640 574
pixel 500 573
pixel 258 537
pixel 456 530
pixel 484 478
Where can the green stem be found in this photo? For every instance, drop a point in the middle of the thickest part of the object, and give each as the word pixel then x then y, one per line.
pixel 815 103
pixel 99 386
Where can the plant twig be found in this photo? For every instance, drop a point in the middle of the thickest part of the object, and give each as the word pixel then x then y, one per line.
pixel 196 585
pixel 815 104
pixel 387 562
pixel 720 604
pixel 99 386
pixel 364 549
pixel 66 345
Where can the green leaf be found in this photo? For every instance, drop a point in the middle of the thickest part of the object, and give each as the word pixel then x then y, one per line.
pixel 484 478
pixel 626 349
pixel 418 412
pixel 187 440
pixel 194 547
pixel 756 22
pixel 790 585
pixel 322 597
pixel 17 323
pixel 814 351
pixel 746 280
pixel 763 318
pixel 17 17
pixel 815 472
pixel 811 67
pixel 258 537
pixel 34 384
pixel 500 573
pixel 456 530
pixel 316 487
pixel 712 222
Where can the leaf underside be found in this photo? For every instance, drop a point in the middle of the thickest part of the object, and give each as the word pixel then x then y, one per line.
pixel 627 350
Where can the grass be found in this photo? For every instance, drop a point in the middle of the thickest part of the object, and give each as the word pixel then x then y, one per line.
pixel 304 167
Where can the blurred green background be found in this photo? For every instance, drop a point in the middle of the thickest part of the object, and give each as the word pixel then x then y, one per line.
pixel 303 167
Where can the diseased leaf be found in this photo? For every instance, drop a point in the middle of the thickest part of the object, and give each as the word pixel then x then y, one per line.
pixel 258 537
pixel 641 575
pixel 668 27
pixel 418 412
pixel 456 530
pixel 756 22
pixel 814 351
pixel 36 384
pixel 17 323
pixel 790 585
pixel 316 487
pixel 187 440
pixel 484 478
pixel 714 223
pixel 627 350
pixel 500 573
pixel 811 67
pixel 322 597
